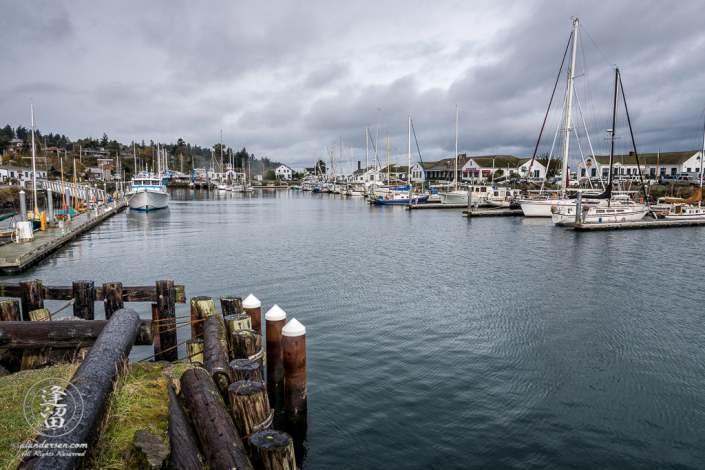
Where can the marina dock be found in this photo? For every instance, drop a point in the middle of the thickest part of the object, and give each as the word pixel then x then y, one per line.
pixel 493 213
pixel 436 206
pixel 17 257
pixel 642 224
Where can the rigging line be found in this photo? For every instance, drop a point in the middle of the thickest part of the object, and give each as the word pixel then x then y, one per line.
pixel 598 49
pixel 420 159
pixel 587 135
pixel 636 154
pixel 591 102
pixel 582 157
pixel 547 111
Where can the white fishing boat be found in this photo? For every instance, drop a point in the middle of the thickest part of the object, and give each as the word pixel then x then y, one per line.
pixel 147 193
pixel 503 197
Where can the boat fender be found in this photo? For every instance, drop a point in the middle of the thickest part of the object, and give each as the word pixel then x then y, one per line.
pixel 553 209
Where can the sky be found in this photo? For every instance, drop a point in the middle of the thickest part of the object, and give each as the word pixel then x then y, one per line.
pixel 288 79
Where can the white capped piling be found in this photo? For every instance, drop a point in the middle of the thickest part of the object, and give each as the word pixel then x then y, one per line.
pixel 23 207
pixel 275 320
pixel 294 348
pixel 253 307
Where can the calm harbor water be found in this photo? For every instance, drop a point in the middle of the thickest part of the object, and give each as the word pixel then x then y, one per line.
pixel 440 342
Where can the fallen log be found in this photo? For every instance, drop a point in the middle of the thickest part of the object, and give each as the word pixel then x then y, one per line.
pixel 93 382
pixel 221 444
pixel 184 445
pixel 215 352
pixel 70 334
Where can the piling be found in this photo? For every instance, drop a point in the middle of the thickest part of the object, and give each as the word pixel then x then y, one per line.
pixel 166 313
pixel 246 369
pixel 275 320
pixel 250 406
pixel 84 300
pixel 157 342
pixel 32 358
pixel 112 295
pixel 247 344
pixel 253 307
pixel 294 348
pixel 31 297
pixel 10 310
pixel 23 207
pixel 236 322
pixel 194 350
pixel 272 450
pixel 231 305
pixel 50 204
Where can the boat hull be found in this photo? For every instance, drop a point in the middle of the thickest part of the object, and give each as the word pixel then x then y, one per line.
pixel 453 197
pixel 145 201
pixel 398 202
pixel 544 208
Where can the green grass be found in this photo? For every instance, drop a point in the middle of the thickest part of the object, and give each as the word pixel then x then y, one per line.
pixel 13 428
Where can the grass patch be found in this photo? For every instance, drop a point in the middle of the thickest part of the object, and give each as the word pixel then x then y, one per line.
pixel 13 428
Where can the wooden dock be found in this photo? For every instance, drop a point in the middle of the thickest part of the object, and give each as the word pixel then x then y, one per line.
pixel 436 206
pixel 493 213
pixel 17 257
pixel 642 224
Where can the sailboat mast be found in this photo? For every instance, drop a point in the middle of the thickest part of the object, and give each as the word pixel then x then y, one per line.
pixel 159 158
pixel 702 156
pixel 367 153
pixel 569 102
pixel 134 153
pixel 455 178
pixel 388 179
pixel 409 167
pixel 614 124
pixel 34 166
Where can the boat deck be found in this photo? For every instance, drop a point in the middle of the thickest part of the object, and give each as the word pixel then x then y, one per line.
pixel 642 224
pixel 434 205
pixel 17 257
pixel 493 213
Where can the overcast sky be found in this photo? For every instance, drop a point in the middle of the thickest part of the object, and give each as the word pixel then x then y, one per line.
pixel 286 79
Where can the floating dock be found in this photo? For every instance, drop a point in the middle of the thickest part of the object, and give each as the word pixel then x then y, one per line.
pixel 493 213
pixel 642 224
pixel 436 206
pixel 17 257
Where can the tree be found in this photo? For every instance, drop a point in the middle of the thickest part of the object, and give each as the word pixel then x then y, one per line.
pixel 104 141
pixel 21 132
pixel 270 175
pixel 7 132
pixel 321 166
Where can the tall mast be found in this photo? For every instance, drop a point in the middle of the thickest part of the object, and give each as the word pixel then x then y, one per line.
pixel 388 179
pixel 614 123
pixel 221 151
pixel 34 166
pixel 455 178
pixel 159 158
pixel 408 179
pixel 367 153
pixel 134 152
pixel 702 155
pixel 569 102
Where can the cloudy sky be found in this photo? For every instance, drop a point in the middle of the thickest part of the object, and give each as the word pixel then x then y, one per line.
pixel 286 79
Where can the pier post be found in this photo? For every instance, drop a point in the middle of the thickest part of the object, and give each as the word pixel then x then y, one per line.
pixel 194 350
pixel 253 307
pixel 294 346
pixel 234 323
pixel 201 307
pixel 231 305
pixel 578 206
pixel 84 300
pixel 272 450
pixel 10 310
pixel 50 205
pixel 31 297
pixel 157 342
pixel 166 305
pixel 31 358
pixel 250 406
pixel 247 344
pixel 275 320
pixel 246 369
pixel 23 207
pixel 112 295
pixel 215 352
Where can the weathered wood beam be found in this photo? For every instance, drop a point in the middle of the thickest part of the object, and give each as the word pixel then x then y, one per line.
pixel 129 294
pixel 63 334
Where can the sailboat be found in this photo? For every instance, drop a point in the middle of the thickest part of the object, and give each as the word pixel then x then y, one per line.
pixel 455 196
pixel 607 207
pixel 689 208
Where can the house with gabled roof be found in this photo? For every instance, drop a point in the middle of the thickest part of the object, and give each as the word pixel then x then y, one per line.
pixel 653 165
pixel 444 170
pixel 419 171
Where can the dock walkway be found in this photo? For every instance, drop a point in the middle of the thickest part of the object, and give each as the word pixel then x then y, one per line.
pixel 17 257
pixel 493 213
pixel 642 224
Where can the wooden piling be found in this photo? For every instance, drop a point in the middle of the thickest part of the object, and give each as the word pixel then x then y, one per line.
pixel 84 300
pixel 166 306
pixel 294 346
pixel 233 323
pixel 250 406
pixel 112 295
pixel 10 310
pixel 194 350
pixel 231 305
pixel 221 443
pixel 32 358
pixel 196 327
pixel 215 352
pixel 157 342
pixel 246 369
pixel 247 344
pixel 253 307
pixel 275 320
pixel 272 450
pixel 31 297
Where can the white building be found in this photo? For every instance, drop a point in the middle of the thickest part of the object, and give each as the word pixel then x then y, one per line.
pixel 283 172
pixel 418 171
pixel 651 164
pixel 20 173
pixel 501 166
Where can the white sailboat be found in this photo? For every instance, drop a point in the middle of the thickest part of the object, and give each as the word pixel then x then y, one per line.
pixel 455 196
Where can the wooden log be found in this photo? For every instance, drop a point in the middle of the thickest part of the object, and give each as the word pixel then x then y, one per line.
pixel 157 343
pixel 10 310
pixel 32 358
pixel 112 295
pixel 31 297
pixel 294 346
pixel 275 320
pixel 231 305
pixel 196 327
pixel 166 306
pixel 253 307
pixel 220 441
pixel 62 334
pixel 234 323
pixel 246 369
pixel 129 294
pixel 93 382
pixel 84 303
pixel 247 344
pixel 184 444
pixel 201 307
pixel 250 406
pixel 194 350
pixel 215 352
pixel 272 450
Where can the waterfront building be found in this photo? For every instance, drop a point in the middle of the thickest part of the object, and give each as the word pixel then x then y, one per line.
pixel 444 170
pixel 417 171
pixel 482 167
pixel 652 164
pixel 8 172
pixel 283 171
